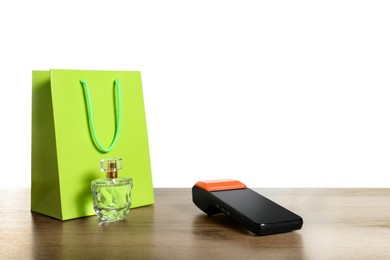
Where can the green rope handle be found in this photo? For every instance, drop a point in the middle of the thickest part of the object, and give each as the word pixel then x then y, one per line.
pixel 91 123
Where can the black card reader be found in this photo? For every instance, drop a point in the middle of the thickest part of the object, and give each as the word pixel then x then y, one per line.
pixel 250 209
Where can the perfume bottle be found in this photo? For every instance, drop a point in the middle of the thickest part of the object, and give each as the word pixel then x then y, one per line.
pixel 112 195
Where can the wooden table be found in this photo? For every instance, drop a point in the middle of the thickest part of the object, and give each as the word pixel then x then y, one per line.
pixel 338 224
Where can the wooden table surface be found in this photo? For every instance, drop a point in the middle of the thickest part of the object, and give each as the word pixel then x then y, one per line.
pixel 338 224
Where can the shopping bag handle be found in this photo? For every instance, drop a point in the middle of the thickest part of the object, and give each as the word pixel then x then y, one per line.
pixel 118 112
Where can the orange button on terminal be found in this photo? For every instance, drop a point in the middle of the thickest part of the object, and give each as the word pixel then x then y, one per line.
pixel 217 185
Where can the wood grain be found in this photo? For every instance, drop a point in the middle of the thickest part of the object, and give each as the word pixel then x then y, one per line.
pixel 338 224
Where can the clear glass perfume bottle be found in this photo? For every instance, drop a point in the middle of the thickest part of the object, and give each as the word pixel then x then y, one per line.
pixel 112 195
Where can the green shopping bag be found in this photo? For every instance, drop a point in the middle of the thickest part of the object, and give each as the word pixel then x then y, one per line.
pixel 78 118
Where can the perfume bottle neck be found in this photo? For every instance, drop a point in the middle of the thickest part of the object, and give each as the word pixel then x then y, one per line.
pixel 112 169
pixel 112 175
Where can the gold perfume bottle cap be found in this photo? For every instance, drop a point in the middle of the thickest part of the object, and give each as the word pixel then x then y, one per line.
pixel 111 166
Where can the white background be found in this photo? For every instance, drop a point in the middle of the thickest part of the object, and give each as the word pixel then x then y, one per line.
pixel 273 93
